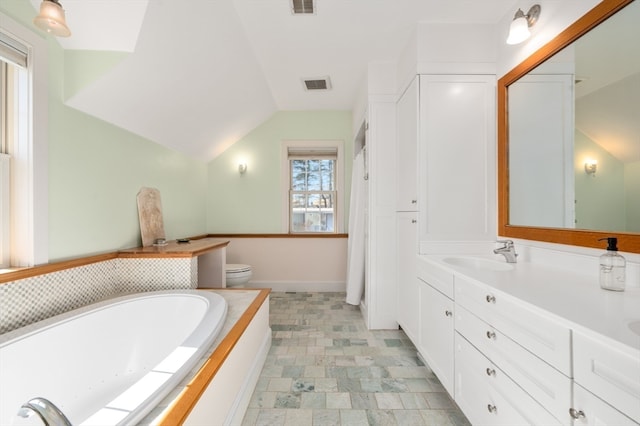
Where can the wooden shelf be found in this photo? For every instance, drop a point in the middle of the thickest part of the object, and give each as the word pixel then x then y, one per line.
pixel 174 249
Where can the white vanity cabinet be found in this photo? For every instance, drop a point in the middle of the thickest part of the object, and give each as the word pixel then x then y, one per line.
pixel 437 322
pixel 606 372
pixel 589 410
pixel 532 349
pixel 488 396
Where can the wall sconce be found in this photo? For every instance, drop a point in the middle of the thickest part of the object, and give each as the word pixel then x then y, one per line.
pixel 590 167
pixel 51 19
pixel 242 168
pixel 519 29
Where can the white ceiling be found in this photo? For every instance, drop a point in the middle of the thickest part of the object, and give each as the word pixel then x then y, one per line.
pixel 203 73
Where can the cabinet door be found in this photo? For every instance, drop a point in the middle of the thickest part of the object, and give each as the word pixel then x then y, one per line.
pixel 407 154
pixel 457 170
pixel 436 333
pixel 591 410
pixel 610 371
pixel 407 255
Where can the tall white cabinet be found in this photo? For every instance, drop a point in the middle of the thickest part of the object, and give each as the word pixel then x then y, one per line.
pixel 378 307
pixel 406 201
pixel 457 173
pixel 445 180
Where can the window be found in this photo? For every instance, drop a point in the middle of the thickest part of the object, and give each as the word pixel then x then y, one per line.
pixel 23 157
pixel 313 186
pixel 13 92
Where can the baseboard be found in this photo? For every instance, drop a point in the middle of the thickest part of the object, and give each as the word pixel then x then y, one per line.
pixel 241 403
pixel 311 286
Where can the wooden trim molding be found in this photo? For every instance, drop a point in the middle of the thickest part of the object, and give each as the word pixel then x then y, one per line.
pixel 627 241
pixel 323 235
pixel 189 397
pixel 198 246
pixel 48 268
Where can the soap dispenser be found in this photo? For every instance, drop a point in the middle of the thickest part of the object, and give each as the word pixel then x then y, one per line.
pixel 612 267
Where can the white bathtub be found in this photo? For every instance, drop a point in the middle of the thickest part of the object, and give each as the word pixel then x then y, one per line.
pixel 111 362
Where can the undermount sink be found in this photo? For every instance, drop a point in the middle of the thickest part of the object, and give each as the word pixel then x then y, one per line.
pixel 478 263
pixel 635 327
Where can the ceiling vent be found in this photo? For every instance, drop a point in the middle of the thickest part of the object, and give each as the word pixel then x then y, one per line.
pixel 323 83
pixel 303 7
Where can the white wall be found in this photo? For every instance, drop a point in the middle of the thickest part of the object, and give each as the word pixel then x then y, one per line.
pixel 554 18
pixel 292 264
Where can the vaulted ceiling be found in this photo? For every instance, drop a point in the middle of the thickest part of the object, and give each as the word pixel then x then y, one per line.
pixel 200 74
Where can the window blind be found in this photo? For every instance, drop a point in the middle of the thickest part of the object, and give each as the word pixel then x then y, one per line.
pixel 13 51
pixel 301 153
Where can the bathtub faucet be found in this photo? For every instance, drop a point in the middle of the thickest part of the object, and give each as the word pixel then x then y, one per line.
pixel 46 410
pixel 507 250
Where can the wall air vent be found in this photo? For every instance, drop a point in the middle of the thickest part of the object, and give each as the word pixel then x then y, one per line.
pixel 303 7
pixel 317 83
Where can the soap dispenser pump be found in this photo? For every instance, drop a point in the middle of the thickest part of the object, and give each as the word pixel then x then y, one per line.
pixel 612 267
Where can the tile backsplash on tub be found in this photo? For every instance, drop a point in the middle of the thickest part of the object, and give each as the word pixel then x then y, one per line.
pixel 29 300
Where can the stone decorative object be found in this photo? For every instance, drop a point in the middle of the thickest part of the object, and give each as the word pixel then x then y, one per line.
pixel 150 216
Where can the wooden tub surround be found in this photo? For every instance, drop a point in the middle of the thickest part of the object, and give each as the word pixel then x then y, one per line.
pixel 179 410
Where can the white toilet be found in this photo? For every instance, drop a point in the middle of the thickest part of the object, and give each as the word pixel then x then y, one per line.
pixel 237 274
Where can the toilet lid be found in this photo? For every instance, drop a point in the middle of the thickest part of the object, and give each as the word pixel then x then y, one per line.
pixel 237 267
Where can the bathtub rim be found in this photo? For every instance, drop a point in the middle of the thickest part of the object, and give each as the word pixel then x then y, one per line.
pixel 152 400
pixel 182 405
pixel 36 327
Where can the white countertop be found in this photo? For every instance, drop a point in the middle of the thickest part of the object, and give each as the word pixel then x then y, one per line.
pixel 573 297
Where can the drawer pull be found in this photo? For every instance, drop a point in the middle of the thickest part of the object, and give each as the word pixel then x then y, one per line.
pixel 448 313
pixel 414 201
pixel 492 408
pixel 491 299
pixel 414 221
pixel 491 372
pixel 491 335
pixel 576 414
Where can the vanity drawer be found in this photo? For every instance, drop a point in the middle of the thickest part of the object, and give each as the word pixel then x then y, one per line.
pixel 487 396
pixel 610 373
pixel 541 335
pixel 544 383
pixel 438 278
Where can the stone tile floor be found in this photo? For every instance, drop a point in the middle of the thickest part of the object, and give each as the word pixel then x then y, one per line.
pixel 326 368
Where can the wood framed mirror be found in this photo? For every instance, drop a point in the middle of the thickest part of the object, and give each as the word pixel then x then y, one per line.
pixel 569 231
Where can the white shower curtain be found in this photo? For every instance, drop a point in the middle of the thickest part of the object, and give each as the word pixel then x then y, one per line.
pixel 355 244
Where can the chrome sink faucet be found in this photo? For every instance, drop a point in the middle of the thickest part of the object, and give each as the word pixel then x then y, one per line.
pixel 46 410
pixel 508 250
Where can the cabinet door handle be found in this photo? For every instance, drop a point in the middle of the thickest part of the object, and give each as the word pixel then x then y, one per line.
pixel 576 414
pixel 414 201
pixel 491 299
pixel 414 221
pixel 492 408
pixel 491 372
pixel 448 313
pixel 491 335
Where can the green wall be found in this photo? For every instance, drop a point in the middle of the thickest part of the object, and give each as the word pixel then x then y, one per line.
pixel 252 202
pixel 632 195
pixel 96 170
pixel 600 199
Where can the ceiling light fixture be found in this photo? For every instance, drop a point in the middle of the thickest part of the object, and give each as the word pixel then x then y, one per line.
pixel 519 29
pixel 51 19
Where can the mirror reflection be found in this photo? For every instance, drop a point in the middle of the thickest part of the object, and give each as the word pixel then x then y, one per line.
pixel 574 133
